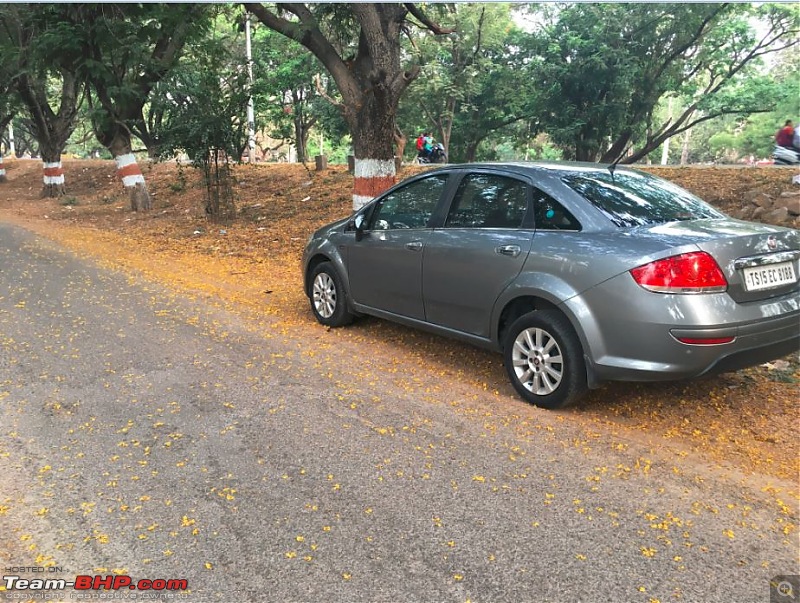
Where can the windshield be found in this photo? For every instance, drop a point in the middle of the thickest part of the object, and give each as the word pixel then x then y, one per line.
pixel 634 199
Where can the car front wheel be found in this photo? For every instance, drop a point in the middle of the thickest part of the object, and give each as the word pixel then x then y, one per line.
pixel 328 297
pixel 544 360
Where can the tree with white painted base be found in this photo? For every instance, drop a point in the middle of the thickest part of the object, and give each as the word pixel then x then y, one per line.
pixel 52 128
pixel 7 113
pixel 123 51
pixel 371 82
pixel 48 87
pixel 117 139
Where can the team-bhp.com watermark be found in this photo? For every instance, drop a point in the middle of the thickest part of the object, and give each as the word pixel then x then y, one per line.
pixel 29 583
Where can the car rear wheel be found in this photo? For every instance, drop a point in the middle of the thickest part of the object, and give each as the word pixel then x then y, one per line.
pixel 328 300
pixel 544 360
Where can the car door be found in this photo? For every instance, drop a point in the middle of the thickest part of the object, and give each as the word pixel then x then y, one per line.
pixel 385 266
pixel 478 251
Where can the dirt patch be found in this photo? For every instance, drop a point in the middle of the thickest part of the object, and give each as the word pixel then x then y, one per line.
pixel 747 419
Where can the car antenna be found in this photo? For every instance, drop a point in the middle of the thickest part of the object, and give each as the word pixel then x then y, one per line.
pixel 613 165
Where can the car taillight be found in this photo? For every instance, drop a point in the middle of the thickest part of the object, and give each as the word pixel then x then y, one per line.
pixel 695 272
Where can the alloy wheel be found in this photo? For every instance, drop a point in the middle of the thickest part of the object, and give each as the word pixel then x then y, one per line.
pixel 537 361
pixel 324 292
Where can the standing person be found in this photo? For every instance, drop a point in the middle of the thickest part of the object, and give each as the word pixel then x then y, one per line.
pixel 784 137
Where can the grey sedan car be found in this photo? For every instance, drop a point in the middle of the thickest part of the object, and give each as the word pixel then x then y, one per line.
pixel 576 273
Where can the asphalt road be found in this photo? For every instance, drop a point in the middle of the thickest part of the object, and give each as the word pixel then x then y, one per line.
pixel 156 435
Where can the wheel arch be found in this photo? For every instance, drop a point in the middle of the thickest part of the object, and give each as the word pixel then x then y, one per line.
pixel 515 308
pixel 313 262
pixel 322 255
pixel 523 304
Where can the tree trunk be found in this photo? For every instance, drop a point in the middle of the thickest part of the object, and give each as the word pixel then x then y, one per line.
pixel 446 128
pixel 302 129
pixel 143 129
pixel 5 120
pixel 685 150
pixel 371 83
pixel 128 171
pixel 471 151
pixel 54 184
pixel 585 152
pixel 373 130
pixel 51 129
pixel 400 142
pixel 220 206
pixel 301 133
pixel 132 179
pixel 617 149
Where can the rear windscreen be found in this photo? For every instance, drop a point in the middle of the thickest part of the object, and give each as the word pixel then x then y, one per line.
pixel 633 199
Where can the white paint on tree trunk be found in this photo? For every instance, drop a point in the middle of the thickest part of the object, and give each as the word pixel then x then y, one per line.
pixel 372 177
pixel 53 173
pixel 360 201
pixel 128 170
pixel 371 168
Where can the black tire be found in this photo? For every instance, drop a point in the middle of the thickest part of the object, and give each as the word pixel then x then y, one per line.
pixel 328 297
pixel 544 360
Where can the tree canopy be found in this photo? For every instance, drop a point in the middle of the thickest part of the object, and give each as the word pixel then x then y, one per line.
pixel 602 70
pixel 588 81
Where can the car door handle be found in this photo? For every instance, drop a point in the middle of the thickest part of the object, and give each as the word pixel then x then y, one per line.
pixel 509 250
pixel 414 245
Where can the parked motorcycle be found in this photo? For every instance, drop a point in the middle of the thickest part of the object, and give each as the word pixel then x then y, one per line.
pixel 785 156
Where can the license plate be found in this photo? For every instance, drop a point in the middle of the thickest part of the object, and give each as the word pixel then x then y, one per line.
pixel 769 276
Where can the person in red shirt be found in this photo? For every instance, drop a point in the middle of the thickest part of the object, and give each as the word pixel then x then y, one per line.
pixel 783 138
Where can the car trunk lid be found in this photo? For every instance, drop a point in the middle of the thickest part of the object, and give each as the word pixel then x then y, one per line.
pixel 759 261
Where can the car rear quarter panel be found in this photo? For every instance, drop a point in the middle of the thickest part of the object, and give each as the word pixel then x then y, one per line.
pixel 563 264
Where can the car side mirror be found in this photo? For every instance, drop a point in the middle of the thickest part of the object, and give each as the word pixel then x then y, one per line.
pixel 358 223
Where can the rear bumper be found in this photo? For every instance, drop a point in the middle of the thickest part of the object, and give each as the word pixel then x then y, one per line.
pixel 753 344
pixel 638 342
pixel 745 358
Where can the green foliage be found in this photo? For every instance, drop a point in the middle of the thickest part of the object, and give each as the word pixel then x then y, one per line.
pixel 593 77
pixel 469 87
pixel 204 107
pixel 603 68
pixel 285 93
pixel 335 149
pixel 121 51
pixel 756 132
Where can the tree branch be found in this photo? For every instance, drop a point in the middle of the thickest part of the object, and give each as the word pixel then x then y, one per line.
pixel 321 91
pixel 423 18
pixel 307 33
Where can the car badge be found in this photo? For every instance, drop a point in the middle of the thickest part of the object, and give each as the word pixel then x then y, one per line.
pixel 772 243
